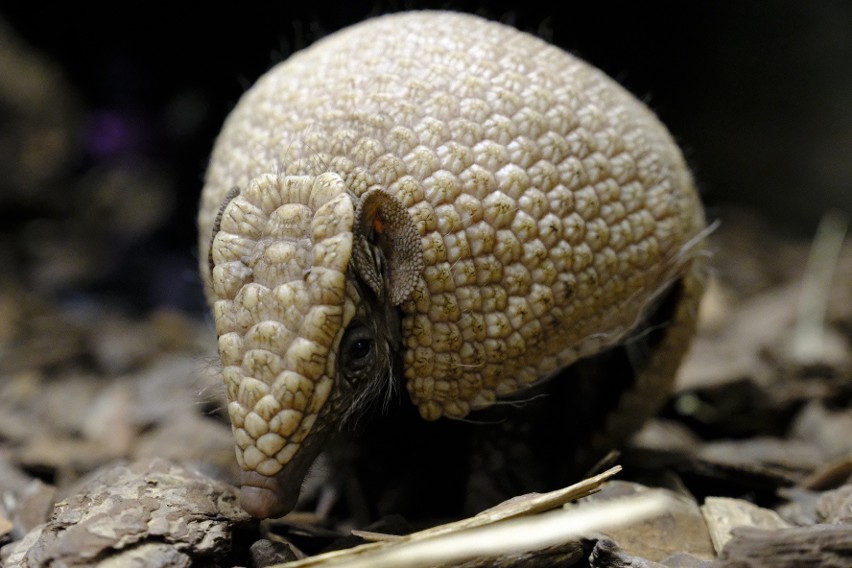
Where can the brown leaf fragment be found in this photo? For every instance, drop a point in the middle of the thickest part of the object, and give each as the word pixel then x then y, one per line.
pixel 826 546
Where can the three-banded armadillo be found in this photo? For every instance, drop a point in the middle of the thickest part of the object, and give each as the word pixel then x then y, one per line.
pixel 448 193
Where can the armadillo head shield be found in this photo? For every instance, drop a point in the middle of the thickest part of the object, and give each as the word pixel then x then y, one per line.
pixel 300 268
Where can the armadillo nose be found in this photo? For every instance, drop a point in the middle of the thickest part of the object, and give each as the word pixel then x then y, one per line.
pixel 263 498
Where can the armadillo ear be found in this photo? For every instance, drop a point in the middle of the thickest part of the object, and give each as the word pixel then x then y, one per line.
pixel 387 254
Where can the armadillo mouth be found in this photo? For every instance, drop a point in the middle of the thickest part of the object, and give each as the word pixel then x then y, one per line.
pixel 266 497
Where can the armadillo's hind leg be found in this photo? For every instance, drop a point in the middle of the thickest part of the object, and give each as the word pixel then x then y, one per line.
pixel 653 353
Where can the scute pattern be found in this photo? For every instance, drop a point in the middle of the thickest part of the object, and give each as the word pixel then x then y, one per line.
pixel 551 207
pixel 280 258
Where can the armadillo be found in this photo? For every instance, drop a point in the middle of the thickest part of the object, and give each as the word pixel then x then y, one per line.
pixel 442 196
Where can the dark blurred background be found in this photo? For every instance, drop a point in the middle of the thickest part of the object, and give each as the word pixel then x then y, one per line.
pixel 107 116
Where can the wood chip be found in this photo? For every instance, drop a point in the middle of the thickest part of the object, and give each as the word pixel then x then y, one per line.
pixel 826 546
pixel 147 503
pixel 723 514
pixel 509 528
pixel 650 538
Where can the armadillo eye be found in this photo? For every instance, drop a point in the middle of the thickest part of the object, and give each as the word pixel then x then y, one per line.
pixel 360 349
pixel 357 347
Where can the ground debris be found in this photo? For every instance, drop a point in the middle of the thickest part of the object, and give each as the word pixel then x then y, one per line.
pixel 759 421
pixel 528 530
pixel 649 538
pixel 172 511
pixel 748 423
pixel 722 514
pixel 105 361
pixel 607 554
pixel 835 506
pixel 827 546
